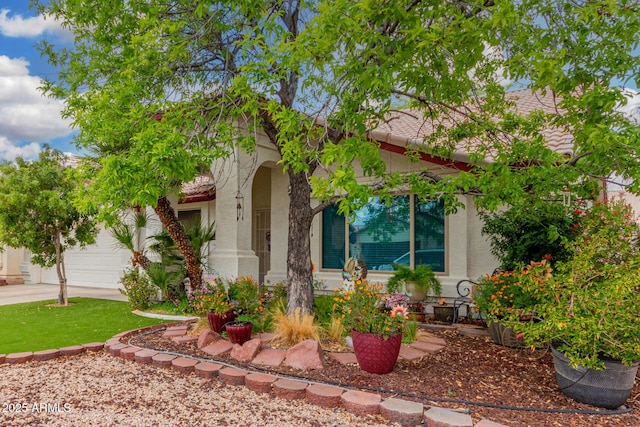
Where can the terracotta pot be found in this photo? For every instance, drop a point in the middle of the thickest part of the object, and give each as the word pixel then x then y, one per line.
pixel 375 354
pixel 418 315
pixel 217 321
pixel 239 332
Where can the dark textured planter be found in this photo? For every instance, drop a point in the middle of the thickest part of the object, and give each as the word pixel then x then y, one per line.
pixel 239 332
pixel 217 321
pixel 443 313
pixel 606 389
pixel 504 336
pixel 375 354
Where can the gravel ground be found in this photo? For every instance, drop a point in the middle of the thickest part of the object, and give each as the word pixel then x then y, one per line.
pixel 95 389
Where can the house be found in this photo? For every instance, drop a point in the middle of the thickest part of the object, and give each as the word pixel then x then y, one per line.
pixel 248 200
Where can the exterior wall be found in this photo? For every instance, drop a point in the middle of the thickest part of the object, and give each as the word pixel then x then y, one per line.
pixel 480 259
pixel 263 186
pixel 101 265
pixel 279 226
pixel 10 263
pixel 467 254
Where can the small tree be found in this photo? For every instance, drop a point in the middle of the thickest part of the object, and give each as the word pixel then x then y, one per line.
pixel 35 212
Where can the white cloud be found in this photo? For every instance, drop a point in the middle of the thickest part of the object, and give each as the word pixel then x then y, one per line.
pixel 30 27
pixel 9 151
pixel 25 114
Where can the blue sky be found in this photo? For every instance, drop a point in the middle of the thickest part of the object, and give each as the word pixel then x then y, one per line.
pixel 27 118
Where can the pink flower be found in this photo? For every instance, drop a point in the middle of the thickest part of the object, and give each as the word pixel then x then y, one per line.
pixel 518 336
pixel 400 310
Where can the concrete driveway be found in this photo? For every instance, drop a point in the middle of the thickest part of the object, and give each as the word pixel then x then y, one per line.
pixel 14 294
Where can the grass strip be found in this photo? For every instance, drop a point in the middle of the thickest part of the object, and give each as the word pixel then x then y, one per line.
pixel 39 325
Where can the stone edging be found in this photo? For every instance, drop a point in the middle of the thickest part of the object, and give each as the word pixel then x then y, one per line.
pixel 354 401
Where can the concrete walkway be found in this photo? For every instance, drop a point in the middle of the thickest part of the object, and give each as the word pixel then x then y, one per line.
pixel 14 294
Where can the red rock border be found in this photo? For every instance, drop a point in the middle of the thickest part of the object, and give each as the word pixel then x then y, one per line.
pixel 354 401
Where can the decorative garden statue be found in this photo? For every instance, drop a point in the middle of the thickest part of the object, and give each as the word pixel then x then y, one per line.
pixel 354 269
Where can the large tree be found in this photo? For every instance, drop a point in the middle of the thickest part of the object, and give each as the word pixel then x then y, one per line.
pixel 158 87
pixel 36 211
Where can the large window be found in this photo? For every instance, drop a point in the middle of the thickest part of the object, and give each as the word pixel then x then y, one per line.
pixel 407 232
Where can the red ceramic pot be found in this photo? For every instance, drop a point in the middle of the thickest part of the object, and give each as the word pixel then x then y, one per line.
pixel 239 332
pixel 375 354
pixel 217 321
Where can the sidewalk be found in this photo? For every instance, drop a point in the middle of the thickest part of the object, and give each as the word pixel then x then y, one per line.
pixel 14 294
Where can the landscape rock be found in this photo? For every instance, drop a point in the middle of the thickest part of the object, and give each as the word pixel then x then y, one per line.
pixel 207 337
pixel 247 351
pixel 306 355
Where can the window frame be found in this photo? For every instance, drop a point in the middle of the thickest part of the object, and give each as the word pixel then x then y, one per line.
pixel 412 240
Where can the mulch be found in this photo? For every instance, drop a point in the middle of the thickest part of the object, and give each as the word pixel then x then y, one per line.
pixel 515 387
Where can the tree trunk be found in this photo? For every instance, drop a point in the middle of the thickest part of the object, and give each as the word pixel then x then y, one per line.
pixel 62 278
pixel 140 259
pixel 299 274
pixel 175 229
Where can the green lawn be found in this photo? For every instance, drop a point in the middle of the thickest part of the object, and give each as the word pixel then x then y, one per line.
pixel 34 326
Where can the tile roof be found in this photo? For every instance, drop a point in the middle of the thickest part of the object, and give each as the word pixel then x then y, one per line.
pixel 411 127
pixel 200 185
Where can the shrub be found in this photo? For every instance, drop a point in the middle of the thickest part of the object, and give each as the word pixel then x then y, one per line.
pixel 422 276
pixel 138 289
pixel 323 308
pixel 363 309
pixel 274 295
pixel 410 332
pixel 498 294
pixel 247 295
pixel 335 329
pixel 210 296
pixel 530 232
pixel 589 305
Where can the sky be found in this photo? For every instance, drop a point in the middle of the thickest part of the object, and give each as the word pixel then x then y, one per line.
pixel 28 120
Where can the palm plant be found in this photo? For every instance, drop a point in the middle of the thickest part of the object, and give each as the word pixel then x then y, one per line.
pixel 172 260
pixel 128 235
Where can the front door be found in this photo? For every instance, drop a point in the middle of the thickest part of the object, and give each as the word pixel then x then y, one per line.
pixel 262 241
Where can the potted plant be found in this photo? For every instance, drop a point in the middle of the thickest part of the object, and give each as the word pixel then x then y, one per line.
pixel 589 308
pixel 503 292
pixel 443 312
pixel 239 332
pixel 211 300
pixel 376 330
pixel 416 310
pixel 247 295
pixel 417 282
